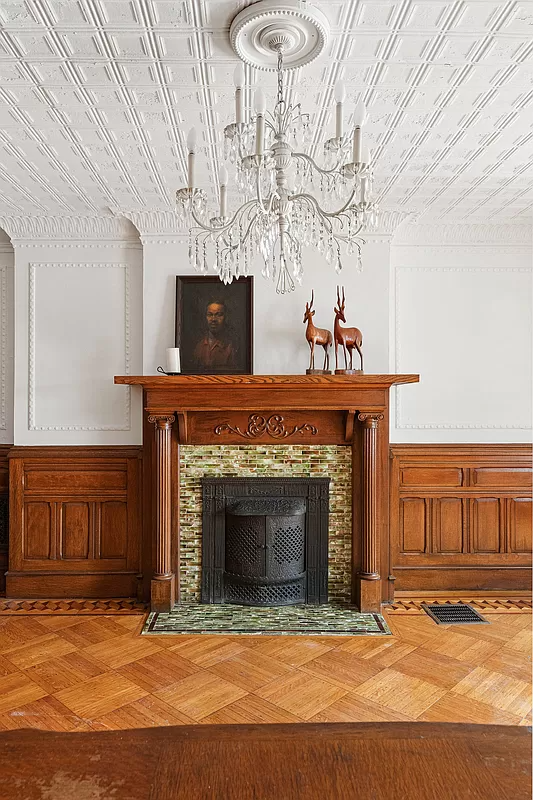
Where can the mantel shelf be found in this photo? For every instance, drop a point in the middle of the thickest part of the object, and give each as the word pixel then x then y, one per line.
pixel 267 381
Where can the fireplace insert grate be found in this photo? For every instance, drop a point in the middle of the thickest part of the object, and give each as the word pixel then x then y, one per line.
pixel 453 614
pixel 262 549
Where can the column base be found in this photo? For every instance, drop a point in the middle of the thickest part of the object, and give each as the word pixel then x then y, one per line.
pixel 163 594
pixel 368 594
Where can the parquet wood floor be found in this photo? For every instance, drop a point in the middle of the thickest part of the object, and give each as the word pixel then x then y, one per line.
pixel 83 673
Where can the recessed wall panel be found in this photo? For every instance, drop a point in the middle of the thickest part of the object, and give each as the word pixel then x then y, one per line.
pixel 78 340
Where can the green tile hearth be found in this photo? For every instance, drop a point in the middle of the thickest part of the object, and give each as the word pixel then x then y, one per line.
pixel 298 620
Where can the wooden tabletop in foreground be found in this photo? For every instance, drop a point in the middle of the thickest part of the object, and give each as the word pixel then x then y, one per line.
pixel 382 761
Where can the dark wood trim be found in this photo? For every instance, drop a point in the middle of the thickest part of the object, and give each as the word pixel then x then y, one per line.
pixel 460 516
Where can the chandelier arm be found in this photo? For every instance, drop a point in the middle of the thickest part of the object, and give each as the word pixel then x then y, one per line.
pixel 329 214
pixel 333 171
pixel 245 238
pixel 211 229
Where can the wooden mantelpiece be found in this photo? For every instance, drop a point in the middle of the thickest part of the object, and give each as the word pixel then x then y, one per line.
pixel 351 410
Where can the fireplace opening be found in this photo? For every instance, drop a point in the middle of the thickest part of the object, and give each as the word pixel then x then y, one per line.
pixel 265 541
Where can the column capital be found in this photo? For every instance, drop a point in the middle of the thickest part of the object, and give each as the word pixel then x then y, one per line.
pixel 370 419
pixel 164 421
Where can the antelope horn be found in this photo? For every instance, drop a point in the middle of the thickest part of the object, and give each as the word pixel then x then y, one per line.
pixel 343 295
pixel 312 298
pixel 338 296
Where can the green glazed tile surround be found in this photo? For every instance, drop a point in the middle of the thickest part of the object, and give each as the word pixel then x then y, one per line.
pixel 291 461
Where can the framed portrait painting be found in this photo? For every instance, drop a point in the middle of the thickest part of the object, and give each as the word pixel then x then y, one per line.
pixel 214 326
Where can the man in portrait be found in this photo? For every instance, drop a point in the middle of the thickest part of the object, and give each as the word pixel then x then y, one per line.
pixel 217 347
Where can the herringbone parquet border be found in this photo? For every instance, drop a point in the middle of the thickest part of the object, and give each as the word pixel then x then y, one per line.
pixel 75 606
pixel 483 606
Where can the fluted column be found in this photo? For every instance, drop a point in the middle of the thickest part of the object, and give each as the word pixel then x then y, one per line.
pixel 163 580
pixel 369 597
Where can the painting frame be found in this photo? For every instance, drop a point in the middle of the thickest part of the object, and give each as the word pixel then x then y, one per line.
pixel 214 325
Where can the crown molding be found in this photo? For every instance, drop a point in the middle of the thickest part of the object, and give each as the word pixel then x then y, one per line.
pixel 160 223
pixel 388 223
pixel 457 234
pixel 65 228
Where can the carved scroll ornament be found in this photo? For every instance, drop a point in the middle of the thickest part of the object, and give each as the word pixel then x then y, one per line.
pixel 273 426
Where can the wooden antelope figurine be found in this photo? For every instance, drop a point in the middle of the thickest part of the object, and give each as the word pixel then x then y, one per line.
pixel 348 338
pixel 316 336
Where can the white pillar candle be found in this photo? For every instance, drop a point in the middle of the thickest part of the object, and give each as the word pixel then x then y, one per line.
pixel 340 97
pixel 260 108
pixel 238 79
pixel 173 359
pixel 191 146
pixel 223 180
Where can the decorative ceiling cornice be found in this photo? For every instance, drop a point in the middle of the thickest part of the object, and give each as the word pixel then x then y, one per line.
pixel 460 233
pixel 154 223
pixel 74 228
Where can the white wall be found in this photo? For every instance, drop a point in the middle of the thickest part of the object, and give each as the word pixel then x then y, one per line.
pixel 78 322
pixel 461 317
pixel 450 303
pixel 280 346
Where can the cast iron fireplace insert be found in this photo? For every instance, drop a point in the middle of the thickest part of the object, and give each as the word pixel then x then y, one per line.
pixel 265 541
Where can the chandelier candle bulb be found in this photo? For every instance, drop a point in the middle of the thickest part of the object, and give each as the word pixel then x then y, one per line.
pixel 238 80
pixel 191 147
pixel 173 359
pixel 223 174
pixel 340 97
pixel 260 108
pixel 359 120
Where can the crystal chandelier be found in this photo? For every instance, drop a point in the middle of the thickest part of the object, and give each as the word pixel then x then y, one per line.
pixel 290 200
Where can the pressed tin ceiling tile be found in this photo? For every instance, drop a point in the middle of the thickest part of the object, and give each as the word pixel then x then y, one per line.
pixel 141 72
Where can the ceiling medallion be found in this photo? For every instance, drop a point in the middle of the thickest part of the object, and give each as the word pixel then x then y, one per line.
pixel 289 199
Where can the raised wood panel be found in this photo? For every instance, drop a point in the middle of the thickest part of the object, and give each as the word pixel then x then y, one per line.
pixel 480 531
pixel 413 525
pixel 38 531
pixel 75 534
pixel 520 516
pixel 113 529
pixel 4 514
pixel 73 481
pixel 431 476
pixel 76 522
pixel 502 478
pixel 486 525
pixel 449 525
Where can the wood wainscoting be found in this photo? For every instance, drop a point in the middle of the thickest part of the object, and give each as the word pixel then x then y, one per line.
pixel 460 516
pixel 75 521
pixel 4 513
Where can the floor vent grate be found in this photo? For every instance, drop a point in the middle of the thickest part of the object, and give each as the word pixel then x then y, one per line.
pixel 453 614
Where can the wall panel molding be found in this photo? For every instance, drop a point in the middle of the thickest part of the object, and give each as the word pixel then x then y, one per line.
pixel 458 234
pixel 400 422
pixel 32 305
